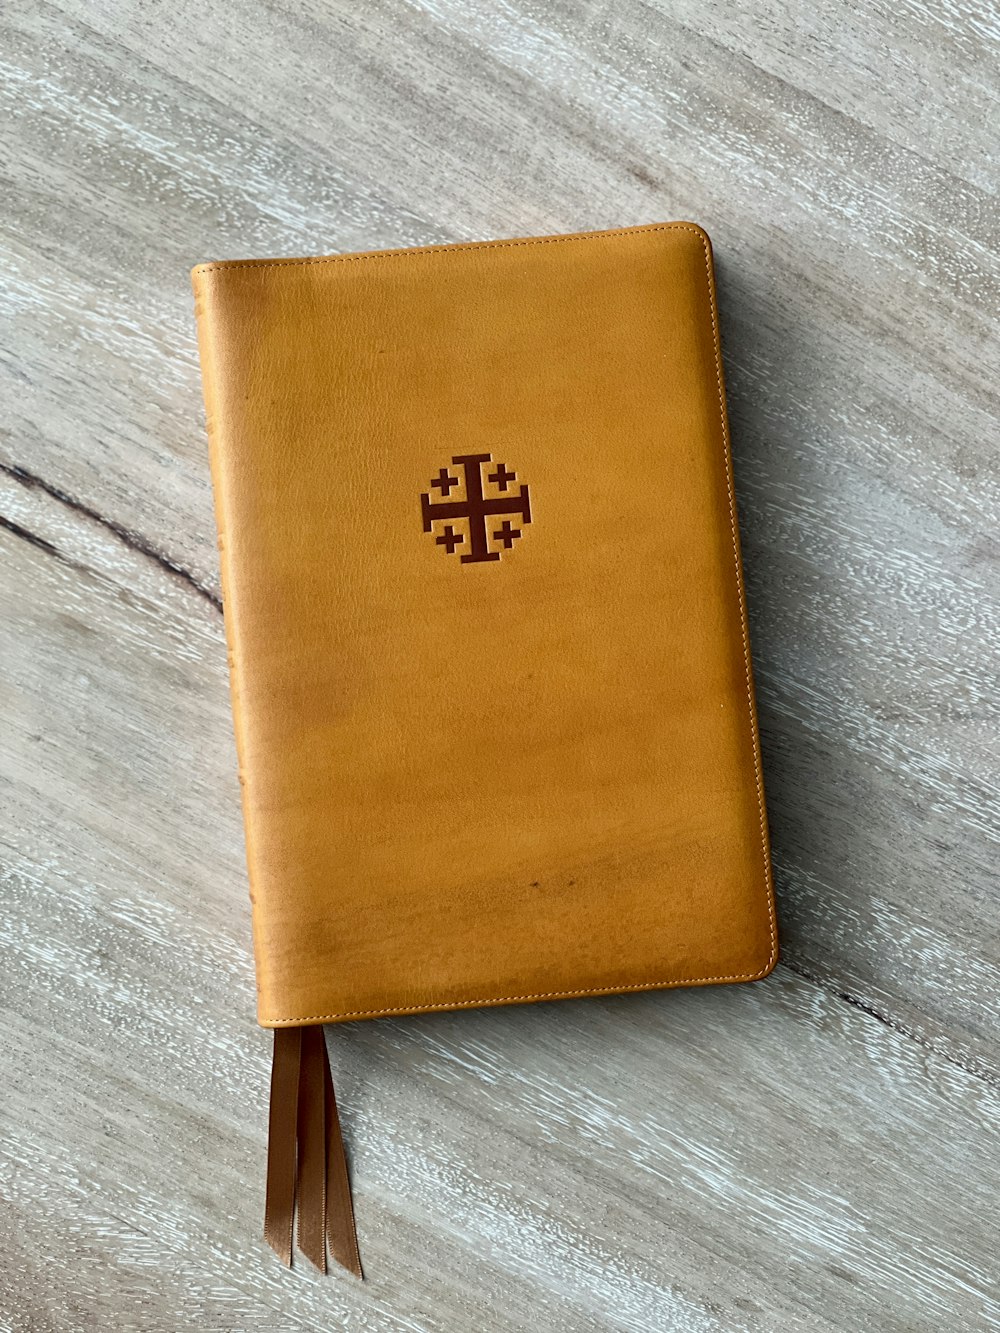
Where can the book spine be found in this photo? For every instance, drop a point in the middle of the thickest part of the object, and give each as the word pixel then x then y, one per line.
pixel 212 372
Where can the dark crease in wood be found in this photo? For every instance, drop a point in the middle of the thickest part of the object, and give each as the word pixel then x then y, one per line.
pixel 134 540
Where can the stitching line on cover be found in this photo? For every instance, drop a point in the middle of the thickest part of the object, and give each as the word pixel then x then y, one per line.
pixel 645 985
pixel 228 265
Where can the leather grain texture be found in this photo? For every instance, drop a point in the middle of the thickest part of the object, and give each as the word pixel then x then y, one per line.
pixel 527 775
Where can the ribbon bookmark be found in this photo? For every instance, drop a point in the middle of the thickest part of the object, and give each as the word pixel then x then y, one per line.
pixel 306 1166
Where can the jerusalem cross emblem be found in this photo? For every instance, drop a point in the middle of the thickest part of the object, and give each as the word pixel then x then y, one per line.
pixel 473 521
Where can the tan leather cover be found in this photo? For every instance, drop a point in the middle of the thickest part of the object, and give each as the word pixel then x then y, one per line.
pixel 502 750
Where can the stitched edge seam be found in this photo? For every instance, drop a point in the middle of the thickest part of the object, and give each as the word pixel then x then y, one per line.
pixel 645 985
pixel 495 1001
pixel 744 630
pixel 226 265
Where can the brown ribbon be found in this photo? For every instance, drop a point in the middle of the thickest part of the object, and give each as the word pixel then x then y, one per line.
pixel 306 1166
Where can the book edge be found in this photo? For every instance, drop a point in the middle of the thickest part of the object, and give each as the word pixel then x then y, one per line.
pixel 449 247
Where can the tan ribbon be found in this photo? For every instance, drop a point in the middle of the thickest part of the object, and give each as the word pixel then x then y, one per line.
pixel 306 1166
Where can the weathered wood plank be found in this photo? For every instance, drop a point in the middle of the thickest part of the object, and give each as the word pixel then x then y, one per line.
pixel 660 1162
pixel 765 1158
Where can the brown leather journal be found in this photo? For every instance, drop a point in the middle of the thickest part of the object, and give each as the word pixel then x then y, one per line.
pixel 490 671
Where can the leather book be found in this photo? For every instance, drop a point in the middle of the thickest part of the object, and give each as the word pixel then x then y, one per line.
pixel 490 669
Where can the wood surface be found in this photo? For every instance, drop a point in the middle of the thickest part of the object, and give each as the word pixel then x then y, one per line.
pixel 817 1151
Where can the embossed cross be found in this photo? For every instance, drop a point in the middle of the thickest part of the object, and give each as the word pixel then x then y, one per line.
pixel 476 508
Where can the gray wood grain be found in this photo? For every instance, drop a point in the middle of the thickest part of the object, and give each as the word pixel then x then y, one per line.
pixel 817 1151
